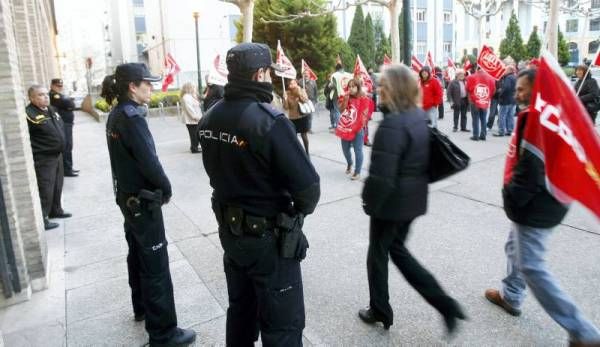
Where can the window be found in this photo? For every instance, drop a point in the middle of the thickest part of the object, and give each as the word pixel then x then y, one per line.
pixel 447 17
pixel 595 3
pixel 421 14
pixel 595 24
pixel 138 3
pixel 448 49
pixel 421 48
pixel 140 24
pixel 593 46
pixel 572 25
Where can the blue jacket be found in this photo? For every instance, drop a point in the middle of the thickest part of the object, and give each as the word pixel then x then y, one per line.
pixel 507 89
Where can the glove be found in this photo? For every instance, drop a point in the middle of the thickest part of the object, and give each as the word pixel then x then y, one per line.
pixel 166 199
pixel 302 247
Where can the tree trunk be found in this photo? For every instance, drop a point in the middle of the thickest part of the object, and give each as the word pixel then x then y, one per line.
pixel 247 9
pixel 552 29
pixel 395 33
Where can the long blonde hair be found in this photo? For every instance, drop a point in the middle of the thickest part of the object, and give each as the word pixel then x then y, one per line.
pixel 188 88
pixel 402 88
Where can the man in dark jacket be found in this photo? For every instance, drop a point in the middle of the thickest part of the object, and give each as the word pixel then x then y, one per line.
pixel 65 106
pixel 534 212
pixel 457 96
pixel 47 137
pixel 506 102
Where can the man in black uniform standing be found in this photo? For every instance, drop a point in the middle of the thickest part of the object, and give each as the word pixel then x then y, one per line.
pixel 65 106
pixel 47 144
pixel 264 184
pixel 141 188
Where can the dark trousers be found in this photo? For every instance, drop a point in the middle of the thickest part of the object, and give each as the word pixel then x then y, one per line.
pixel 265 292
pixel 192 131
pixel 479 120
pixel 148 268
pixel 389 238
pixel 441 111
pixel 50 175
pixel 461 110
pixel 68 153
pixel 493 113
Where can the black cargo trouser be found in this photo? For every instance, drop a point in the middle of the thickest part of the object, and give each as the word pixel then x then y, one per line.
pixel 148 267
pixel 460 111
pixel 265 292
pixel 50 175
pixel 387 239
pixel 68 153
pixel 193 132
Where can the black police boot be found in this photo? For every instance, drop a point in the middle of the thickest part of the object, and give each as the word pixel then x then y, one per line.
pixel 369 316
pixel 181 338
pixel 49 225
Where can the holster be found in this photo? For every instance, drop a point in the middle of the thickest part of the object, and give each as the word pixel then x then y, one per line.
pixel 150 200
pixel 290 234
pixel 238 222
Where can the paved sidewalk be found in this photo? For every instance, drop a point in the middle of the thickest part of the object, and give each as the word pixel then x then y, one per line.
pixel 460 240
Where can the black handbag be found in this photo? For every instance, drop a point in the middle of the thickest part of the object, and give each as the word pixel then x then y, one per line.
pixel 445 158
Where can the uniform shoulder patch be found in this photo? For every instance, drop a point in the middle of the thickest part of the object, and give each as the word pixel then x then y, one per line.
pixel 275 113
pixel 130 111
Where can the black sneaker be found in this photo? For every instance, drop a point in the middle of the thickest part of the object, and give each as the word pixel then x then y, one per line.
pixel 454 130
pixel 465 130
pixel 498 134
pixel 473 138
pixel 181 338
pixel 49 225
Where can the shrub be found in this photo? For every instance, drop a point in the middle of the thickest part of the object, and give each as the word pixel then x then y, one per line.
pixel 169 98
pixel 102 105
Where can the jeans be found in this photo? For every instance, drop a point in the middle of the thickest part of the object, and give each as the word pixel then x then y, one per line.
pixel 492 113
pixel 334 114
pixel 357 143
pixel 433 116
pixel 388 239
pixel 525 251
pixel 461 111
pixel 479 115
pixel 506 119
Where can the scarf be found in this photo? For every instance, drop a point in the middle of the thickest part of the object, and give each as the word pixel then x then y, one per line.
pixel 238 88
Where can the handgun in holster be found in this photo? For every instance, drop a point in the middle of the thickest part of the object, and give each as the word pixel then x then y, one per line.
pixel 153 201
pixel 290 233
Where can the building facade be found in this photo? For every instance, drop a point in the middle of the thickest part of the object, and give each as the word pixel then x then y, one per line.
pixel 580 24
pixel 27 55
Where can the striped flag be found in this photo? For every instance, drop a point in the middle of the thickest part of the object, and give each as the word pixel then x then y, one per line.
pixel 386 60
pixel 284 61
pixel 305 68
pixel 171 69
pixel 429 60
pixel 416 65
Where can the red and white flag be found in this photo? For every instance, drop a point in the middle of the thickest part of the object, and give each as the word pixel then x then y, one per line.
pixel 361 71
pixel 560 130
pixel 491 63
pixel 218 71
pixel 416 64
pixel 450 72
pixel 171 69
pixel 282 60
pixel 429 60
pixel 467 66
pixel 305 68
pixel 596 61
pixel 451 63
pixel 387 60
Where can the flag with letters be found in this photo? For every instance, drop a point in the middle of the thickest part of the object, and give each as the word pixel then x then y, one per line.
pixel 283 61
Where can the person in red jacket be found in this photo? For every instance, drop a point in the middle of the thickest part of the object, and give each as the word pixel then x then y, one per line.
pixel 480 87
pixel 432 94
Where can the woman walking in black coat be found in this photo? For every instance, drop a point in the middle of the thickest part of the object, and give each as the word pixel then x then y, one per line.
pixel 395 193
pixel 589 93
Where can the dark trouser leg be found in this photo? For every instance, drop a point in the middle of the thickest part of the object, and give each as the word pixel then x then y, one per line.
pixel 475 120
pixel 482 122
pixel 56 208
pixel 381 236
pixel 241 327
pixel 456 109
pixel 304 137
pixel 281 304
pixel 133 267
pixel 193 136
pixel 46 168
pixel 155 278
pixel 416 275
pixel 493 111
pixel 68 153
pixel 441 111
pixel 463 115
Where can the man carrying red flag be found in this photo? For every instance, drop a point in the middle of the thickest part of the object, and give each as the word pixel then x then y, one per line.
pixel 534 211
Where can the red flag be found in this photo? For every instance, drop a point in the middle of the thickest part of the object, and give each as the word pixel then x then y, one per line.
pixel 429 60
pixel 311 73
pixel 171 69
pixel 467 66
pixel 416 64
pixel 451 64
pixel 597 59
pixel 282 59
pixel 360 71
pixel 386 60
pixel 559 129
pixel 490 63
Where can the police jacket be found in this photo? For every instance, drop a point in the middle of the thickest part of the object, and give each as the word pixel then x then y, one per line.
pixel 133 158
pixel 64 105
pixel 254 159
pixel 396 188
pixel 46 131
pixel 526 198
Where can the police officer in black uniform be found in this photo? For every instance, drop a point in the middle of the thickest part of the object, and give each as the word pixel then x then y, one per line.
pixel 47 144
pixel 141 188
pixel 65 106
pixel 264 184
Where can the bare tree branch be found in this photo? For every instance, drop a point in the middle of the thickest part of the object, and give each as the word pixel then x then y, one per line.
pixel 473 8
pixel 279 18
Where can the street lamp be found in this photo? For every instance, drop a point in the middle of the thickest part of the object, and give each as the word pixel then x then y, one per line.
pixel 196 16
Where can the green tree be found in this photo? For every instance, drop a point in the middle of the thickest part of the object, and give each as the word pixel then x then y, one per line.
pixel 534 44
pixel 369 58
pixel 314 39
pixel 564 56
pixel 358 34
pixel 512 44
pixel 383 44
pixel 401 33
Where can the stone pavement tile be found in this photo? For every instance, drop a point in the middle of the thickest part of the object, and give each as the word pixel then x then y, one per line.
pixel 335 185
pixel 93 253
pixel 211 333
pixel 193 301
pixel 116 328
pixel 93 214
pixel 198 209
pixel 177 225
pixel 47 335
pixel 204 257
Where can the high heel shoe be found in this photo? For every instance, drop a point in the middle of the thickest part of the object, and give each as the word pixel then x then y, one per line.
pixel 369 316
pixel 451 319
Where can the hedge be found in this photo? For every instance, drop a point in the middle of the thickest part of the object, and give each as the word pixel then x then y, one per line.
pixel 170 98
